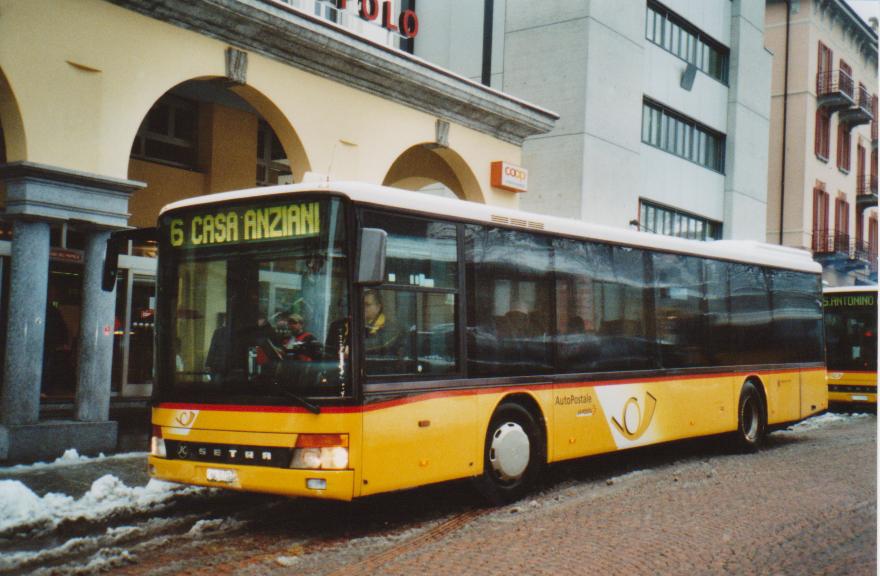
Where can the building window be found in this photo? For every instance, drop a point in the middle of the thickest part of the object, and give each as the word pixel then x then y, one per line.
pixel 823 133
pixel 670 222
pixel 845 78
pixel 682 136
pixel 272 162
pixel 169 133
pixel 841 225
pixel 872 235
pixel 681 38
pixel 824 73
pixel 843 147
pixel 820 220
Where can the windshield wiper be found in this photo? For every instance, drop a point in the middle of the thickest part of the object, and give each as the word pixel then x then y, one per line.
pixel 313 408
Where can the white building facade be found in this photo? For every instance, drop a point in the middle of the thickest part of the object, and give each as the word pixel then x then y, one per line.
pixel 664 106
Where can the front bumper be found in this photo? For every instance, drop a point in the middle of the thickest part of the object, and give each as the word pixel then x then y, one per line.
pixel 282 481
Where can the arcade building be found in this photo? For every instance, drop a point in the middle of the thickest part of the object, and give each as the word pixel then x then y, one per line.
pixel 110 109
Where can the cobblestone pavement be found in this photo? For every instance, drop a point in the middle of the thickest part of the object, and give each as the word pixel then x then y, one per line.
pixel 806 504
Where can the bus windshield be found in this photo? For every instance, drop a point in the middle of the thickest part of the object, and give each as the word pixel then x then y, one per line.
pixel 851 331
pixel 256 302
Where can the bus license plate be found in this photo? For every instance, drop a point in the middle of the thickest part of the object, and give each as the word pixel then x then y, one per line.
pixel 222 475
pixel 857 398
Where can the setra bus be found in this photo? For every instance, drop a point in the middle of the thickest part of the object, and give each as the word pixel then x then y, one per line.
pixel 851 344
pixel 339 340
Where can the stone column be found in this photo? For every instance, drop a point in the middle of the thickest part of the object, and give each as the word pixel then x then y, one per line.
pixel 96 336
pixel 37 194
pixel 26 325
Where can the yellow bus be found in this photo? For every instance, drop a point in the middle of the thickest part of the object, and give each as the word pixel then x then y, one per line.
pixel 851 344
pixel 339 340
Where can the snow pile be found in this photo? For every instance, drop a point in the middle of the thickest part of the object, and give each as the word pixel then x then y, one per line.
pixel 825 419
pixel 21 508
pixel 70 458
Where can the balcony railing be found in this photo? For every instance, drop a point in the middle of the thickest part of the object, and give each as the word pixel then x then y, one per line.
pixel 866 253
pixel 830 242
pixel 867 185
pixel 861 113
pixel 835 89
pixel 866 191
pixel 845 251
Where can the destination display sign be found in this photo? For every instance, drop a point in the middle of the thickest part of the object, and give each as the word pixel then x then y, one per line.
pixel 844 300
pixel 244 224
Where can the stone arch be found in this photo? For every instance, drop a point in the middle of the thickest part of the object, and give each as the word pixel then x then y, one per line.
pixel 228 126
pixel 13 144
pixel 424 164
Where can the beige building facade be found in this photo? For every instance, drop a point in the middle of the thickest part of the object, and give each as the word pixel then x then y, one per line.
pixel 822 183
pixel 111 109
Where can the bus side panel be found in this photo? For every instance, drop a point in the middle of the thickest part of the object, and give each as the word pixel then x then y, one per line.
pixel 607 417
pixel 814 392
pixel 783 391
pixel 419 440
pixel 580 426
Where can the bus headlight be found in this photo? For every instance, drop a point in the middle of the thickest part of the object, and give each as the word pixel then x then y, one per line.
pixel 321 452
pixel 157 443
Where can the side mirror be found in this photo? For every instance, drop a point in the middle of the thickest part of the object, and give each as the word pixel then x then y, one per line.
pixel 371 257
pixel 115 244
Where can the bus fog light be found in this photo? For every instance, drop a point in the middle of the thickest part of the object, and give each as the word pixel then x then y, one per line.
pixel 157 447
pixel 316 484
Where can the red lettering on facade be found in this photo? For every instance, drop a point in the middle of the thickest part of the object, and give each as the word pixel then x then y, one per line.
pixel 387 20
pixel 369 9
pixel 409 24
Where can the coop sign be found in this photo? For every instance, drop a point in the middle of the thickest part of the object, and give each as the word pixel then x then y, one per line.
pixel 243 224
pixel 510 177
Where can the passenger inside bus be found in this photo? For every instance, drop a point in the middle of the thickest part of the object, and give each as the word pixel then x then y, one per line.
pixel 382 341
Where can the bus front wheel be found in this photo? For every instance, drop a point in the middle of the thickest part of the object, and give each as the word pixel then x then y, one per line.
pixel 513 454
pixel 752 427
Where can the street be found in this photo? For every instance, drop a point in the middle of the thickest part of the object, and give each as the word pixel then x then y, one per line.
pixel 805 504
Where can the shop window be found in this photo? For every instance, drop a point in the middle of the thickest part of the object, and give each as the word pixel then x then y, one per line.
pixel 272 163
pixel 169 133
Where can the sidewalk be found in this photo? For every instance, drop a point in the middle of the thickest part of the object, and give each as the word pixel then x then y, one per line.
pixel 73 475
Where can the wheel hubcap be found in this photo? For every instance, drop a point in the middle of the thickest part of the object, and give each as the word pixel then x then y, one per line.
pixel 509 452
pixel 750 419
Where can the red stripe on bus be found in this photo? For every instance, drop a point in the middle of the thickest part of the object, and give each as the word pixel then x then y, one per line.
pixel 413 398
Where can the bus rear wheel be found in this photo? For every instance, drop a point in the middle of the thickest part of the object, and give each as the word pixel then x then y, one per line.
pixel 752 423
pixel 513 454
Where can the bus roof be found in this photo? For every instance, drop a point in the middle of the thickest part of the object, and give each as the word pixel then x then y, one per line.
pixel 848 289
pixel 427 204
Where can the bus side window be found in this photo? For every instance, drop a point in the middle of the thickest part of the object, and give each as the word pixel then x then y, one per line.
pixel 414 333
pixel 509 278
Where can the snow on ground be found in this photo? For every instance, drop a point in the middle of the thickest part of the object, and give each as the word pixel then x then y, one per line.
pixel 70 458
pixel 825 419
pixel 22 508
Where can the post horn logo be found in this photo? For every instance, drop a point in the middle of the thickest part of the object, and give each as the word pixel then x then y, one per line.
pixel 634 422
pixel 185 418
